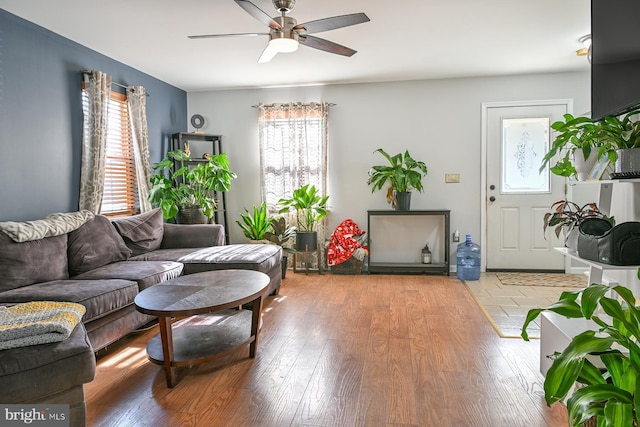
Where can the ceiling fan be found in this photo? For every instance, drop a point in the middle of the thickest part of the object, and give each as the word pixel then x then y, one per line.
pixel 285 33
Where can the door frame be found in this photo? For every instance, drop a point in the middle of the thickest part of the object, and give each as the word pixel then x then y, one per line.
pixel 568 102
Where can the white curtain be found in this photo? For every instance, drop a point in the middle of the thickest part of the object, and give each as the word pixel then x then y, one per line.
pixel 293 148
pixel 137 102
pixel 293 152
pixel 94 141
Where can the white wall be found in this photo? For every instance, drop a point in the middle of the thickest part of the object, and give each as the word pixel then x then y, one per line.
pixel 438 121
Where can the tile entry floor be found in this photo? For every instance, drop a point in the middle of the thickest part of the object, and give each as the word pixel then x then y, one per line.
pixel 507 305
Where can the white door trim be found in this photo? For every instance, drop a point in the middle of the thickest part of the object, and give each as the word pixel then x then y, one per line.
pixel 483 158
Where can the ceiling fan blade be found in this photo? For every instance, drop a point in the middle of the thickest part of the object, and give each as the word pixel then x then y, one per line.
pixel 332 23
pixel 258 13
pixel 211 36
pixel 267 54
pixel 326 45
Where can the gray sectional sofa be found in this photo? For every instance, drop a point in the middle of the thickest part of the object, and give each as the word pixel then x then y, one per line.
pixel 102 264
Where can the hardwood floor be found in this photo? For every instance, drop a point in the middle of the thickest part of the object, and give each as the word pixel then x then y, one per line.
pixel 369 350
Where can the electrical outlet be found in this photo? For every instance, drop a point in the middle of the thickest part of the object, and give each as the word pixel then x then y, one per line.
pixel 451 177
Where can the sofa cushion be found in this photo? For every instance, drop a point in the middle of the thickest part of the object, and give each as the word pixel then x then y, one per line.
pixel 95 244
pixel 100 297
pixel 243 256
pixel 141 233
pixel 25 263
pixel 192 235
pixel 144 273
pixel 34 372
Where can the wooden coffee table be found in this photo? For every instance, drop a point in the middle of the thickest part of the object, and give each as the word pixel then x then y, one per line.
pixel 217 325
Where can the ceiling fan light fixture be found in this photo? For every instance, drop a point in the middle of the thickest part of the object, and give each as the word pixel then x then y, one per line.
pixel 586 41
pixel 284 45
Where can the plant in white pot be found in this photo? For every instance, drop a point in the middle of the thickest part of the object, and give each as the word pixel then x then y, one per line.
pixel 582 137
pixel 310 208
pixel 402 173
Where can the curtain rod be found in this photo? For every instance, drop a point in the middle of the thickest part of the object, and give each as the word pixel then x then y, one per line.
pixel 271 105
pixel 86 72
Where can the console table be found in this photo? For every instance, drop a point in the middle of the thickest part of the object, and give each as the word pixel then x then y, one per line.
pixel 430 226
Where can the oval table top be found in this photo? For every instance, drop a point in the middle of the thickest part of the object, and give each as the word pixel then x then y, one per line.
pixel 202 292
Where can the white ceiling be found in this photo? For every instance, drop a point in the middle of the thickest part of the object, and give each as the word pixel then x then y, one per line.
pixel 405 40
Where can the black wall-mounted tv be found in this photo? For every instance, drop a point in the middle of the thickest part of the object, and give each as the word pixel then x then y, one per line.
pixel 615 57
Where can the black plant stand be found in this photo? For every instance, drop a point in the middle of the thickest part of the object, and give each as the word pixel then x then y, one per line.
pixel 306 253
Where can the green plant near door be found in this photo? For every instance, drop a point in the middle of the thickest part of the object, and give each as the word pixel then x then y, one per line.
pixel 256 224
pixel 583 134
pixel 610 390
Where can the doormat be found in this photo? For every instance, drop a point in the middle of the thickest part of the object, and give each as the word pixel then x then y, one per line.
pixel 543 279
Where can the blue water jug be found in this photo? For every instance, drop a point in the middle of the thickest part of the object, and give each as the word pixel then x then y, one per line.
pixel 468 255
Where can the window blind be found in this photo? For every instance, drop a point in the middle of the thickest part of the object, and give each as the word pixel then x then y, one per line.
pixel 119 196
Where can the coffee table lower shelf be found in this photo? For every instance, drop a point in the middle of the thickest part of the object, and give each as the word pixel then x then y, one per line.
pixel 199 339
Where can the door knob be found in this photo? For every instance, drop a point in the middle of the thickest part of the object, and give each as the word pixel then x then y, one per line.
pixel 492 187
pixel 492 199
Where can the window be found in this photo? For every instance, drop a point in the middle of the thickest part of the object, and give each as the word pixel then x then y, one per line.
pixel 119 197
pixel 293 149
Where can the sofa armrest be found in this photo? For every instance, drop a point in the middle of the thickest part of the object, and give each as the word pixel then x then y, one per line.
pixel 192 236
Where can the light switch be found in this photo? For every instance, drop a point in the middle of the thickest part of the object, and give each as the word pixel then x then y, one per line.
pixel 451 177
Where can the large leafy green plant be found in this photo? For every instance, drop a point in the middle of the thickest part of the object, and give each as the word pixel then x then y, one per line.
pixel 256 224
pixel 403 173
pixel 608 392
pixel 178 184
pixel 310 207
pixel 586 135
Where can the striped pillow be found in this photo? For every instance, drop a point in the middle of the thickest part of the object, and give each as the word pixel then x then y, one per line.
pixel 55 224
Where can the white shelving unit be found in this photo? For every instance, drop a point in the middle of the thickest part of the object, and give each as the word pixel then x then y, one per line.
pixel 557 331
pixel 596 269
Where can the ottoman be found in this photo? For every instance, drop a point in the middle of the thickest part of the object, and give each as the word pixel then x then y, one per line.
pixel 50 373
pixel 263 258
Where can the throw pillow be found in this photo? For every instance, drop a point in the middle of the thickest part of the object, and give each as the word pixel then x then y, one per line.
pixel 55 224
pixel 35 261
pixel 142 233
pixel 95 244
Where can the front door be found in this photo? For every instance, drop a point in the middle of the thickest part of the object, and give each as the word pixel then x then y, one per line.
pixel 517 195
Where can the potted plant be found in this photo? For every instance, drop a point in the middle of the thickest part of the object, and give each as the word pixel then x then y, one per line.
pixel 255 225
pixel 607 392
pixel 580 136
pixel 280 234
pixel 310 208
pixel 403 174
pixel 566 216
pixel 189 188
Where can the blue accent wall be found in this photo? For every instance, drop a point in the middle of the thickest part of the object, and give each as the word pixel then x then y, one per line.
pixel 41 116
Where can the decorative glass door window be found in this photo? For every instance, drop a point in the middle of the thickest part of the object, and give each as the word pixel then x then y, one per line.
pixel 524 143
